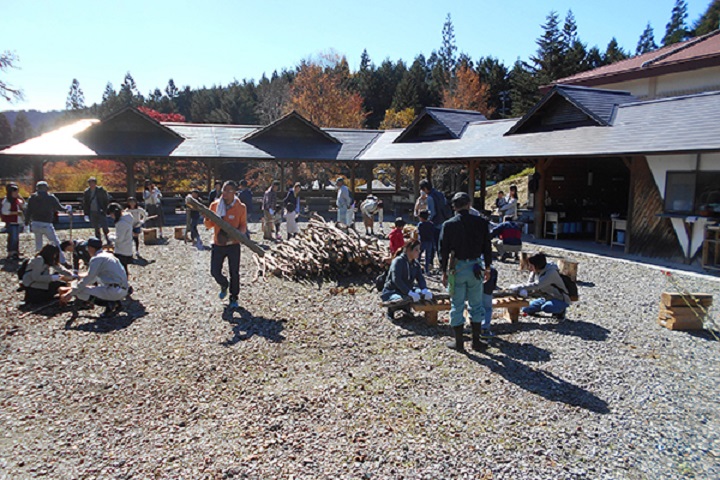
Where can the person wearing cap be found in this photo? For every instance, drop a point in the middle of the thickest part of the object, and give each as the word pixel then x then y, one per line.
pixel 12 215
pixel 105 282
pixel 292 210
pixel 368 208
pixel 343 201
pixel 192 221
pixel 271 218
pixel 41 213
pixel 466 238
pixel 95 202
pixel 233 211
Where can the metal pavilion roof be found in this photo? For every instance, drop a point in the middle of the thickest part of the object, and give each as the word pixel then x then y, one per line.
pixel 672 125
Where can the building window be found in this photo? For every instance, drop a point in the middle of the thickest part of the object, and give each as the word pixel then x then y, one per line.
pixel 693 193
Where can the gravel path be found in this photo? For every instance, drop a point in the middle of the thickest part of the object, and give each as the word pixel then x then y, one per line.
pixel 304 384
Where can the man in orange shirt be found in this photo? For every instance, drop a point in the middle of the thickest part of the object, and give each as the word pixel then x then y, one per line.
pixel 232 210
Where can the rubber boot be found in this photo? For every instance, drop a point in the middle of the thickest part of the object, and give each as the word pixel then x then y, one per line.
pixel 477 344
pixel 459 343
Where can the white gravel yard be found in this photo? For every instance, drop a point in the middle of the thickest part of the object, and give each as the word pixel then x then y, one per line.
pixel 303 384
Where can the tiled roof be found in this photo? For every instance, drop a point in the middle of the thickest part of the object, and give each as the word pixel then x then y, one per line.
pixel 694 50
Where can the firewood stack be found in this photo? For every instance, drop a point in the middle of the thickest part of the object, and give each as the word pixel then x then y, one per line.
pixel 683 311
pixel 323 249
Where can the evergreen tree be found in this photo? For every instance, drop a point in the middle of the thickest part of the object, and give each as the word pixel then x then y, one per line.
pixel 549 62
pixel 676 30
pixel 575 52
pixel 495 75
pixel 524 94
pixel 647 41
pixel 6 134
pixel 406 95
pixel 614 53
pixel 129 94
pixel 22 130
pixel 76 98
pixel 448 48
pixel 171 90
pixel 594 58
pixel 708 21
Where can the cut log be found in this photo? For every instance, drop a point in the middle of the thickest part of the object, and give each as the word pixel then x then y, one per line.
pixel 150 236
pixel 179 233
pixel 569 267
pixel 231 231
pixel 674 299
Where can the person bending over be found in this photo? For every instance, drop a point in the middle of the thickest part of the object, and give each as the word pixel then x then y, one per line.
pixel 38 282
pixel 544 282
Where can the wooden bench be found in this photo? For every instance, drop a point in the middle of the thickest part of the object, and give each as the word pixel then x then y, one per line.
pixel 441 302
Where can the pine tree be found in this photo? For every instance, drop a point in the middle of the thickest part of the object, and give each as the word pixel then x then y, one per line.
pixel 22 130
pixel 524 94
pixel 549 62
pixel 6 134
pixel 495 75
pixel 676 30
pixel 647 41
pixel 448 49
pixel 171 90
pixel 76 98
pixel 575 52
pixel 708 21
pixel 129 94
pixel 614 53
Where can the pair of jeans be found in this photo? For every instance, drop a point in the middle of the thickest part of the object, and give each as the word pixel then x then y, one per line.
pixel 194 222
pixel 467 288
pixel 44 229
pixel 342 215
pixel 487 303
pixel 547 306
pixel 428 250
pixel 13 242
pixel 218 256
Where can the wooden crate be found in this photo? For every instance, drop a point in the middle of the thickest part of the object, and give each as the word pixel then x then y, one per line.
pixel 179 233
pixel 681 318
pixel 150 236
pixel 672 299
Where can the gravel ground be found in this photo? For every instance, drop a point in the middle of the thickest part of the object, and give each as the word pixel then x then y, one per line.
pixel 303 384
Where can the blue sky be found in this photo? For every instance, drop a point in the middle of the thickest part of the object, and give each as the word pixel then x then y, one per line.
pixel 214 42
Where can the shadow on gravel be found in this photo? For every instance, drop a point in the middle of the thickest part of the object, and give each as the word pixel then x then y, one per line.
pixel 132 310
pixel 539 381
pixel 247 326
pixel 577 328
pixel 521 351
pixel 10 265
pixel 704 334
pixel 142 262
pixel 585 284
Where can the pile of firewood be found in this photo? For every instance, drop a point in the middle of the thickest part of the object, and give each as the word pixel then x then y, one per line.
pixel 323 249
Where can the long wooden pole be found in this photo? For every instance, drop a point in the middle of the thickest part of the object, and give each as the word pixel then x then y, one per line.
pixel 232 232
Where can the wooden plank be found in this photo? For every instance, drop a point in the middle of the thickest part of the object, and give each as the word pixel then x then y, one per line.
pixel 569 267
pixel 680 324
pixel 673 299
pixel 232 232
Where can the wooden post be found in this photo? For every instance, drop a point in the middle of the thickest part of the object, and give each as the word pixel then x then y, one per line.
pixel 398 176
pixel 38 168
pixel 416 179
pixel 130 177
pixel 429 169
pixel 294 172
pixel 539 213
pixel 631 163
pixel 283 187
pixel 483 185
pixel 472 165
pixel 352 179
pixel 209 175
pixel 369 178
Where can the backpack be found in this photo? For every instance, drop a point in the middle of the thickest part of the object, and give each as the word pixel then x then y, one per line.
pixel 22 270
pixel 441 206
pixel 380 280
pixel 571 288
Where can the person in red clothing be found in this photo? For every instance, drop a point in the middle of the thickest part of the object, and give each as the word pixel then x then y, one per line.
pixel 397 240
pixel 233 211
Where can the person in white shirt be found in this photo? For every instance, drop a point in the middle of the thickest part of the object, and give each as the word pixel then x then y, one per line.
pixel 139 215
pixel 343 202
pixel 153 204
pixel 123 234
pixel 104 284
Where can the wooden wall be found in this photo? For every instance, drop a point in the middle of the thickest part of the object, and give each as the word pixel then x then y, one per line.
pixel 649 235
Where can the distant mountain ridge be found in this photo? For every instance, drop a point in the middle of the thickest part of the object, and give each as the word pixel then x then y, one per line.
pixel 37 119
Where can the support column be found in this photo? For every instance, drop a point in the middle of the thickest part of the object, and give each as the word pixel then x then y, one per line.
pixel 630 163
pixel 130 184
pixel 429 169
pixel 539 211
pixel 352 179
pixel 209 171
pixel 398 176
pixel 38 169
pixel 416 179
pixel 281 164
pixel 483 185
pixel 294 172
pixel 472 165
pixel 369 178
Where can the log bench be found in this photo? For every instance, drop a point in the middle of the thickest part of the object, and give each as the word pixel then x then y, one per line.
pixel 441 302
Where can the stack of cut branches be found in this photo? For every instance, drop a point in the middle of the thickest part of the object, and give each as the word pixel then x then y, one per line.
pixel 323 249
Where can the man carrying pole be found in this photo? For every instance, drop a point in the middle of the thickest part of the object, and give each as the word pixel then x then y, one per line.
pixel 233 211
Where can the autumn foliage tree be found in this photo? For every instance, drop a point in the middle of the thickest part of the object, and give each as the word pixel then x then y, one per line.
pixel 395 119
pixel 162 117
pixel 467 92
pixel 321 94
pixel 72 177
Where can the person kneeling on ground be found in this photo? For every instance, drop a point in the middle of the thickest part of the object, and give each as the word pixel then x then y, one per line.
pixel 79 251
pixel 405 272
pixel 544 282
pixel 105 283
pixel 39 284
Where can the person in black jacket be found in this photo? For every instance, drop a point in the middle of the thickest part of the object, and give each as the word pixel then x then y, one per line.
pixel 466 237
pixel 405 280
pixel 95 202
pixel 40 214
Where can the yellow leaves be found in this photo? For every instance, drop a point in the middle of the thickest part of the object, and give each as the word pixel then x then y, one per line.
pixel 395 119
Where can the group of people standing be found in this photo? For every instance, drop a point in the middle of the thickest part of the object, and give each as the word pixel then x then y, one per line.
pixel 465 254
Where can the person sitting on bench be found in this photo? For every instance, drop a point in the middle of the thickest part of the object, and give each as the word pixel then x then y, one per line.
pixel 507 239
pixel 405 279
pixel 39 284
pixel 544 282
pixel 105 283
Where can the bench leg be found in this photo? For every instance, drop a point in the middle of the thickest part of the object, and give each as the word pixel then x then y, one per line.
pixel 513 314
pixel 431 318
